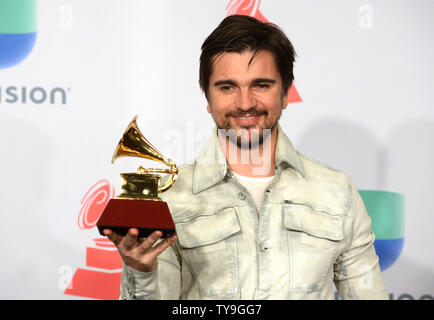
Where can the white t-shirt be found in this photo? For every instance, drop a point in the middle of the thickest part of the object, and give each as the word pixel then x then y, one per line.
pixel 255 186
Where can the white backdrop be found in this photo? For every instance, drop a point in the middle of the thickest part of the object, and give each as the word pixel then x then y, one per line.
pixel 364 71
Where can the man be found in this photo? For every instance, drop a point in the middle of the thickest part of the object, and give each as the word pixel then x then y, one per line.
pixel 255 219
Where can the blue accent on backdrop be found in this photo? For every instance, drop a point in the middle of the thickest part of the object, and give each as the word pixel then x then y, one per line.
pixel 388 251
pixel 14 48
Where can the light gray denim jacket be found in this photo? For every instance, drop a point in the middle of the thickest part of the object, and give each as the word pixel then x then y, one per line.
pixel 312 231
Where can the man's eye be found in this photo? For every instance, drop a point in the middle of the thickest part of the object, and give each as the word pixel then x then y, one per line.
pixel 263 85
pixel 226 88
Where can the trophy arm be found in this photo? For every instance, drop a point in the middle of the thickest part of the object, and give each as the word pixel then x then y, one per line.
pixel 172 179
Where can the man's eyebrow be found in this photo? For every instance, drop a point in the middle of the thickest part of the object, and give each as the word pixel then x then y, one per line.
pixel 262 80
pixel 233 83
pixel 224 82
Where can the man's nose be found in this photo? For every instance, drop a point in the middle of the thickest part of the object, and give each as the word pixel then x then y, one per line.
pixel 245 100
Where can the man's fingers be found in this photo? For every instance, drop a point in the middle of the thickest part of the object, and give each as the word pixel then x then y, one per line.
pixel 163 245
pixel 150 240
pixel 131 238
pixel 113 236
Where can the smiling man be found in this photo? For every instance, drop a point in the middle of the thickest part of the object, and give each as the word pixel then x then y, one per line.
pixel 246 99
pixel 255 219
pixel 246 91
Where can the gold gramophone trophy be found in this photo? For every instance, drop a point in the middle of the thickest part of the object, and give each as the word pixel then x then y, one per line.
pixel 138 205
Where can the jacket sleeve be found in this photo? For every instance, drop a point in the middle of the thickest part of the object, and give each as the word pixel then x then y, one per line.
pixel 163 283
pixel 357 273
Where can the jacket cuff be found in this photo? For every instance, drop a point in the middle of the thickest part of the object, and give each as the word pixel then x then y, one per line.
pixel 138 285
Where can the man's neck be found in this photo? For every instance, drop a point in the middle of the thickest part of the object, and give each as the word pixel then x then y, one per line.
pixel 256 162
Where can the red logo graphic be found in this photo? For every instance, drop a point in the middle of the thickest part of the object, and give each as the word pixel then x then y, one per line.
pixel 101 277
pixel 251 8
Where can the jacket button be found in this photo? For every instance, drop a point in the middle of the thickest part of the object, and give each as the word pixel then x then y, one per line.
pixel 263 247
pixel 241 195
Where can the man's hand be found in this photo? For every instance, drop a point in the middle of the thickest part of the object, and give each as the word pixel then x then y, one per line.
pixel 139 253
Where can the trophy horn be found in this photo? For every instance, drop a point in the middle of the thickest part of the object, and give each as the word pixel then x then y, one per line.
pixel 134 144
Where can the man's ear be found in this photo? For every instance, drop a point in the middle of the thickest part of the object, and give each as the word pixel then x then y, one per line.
pixel 208 108
pixel 285 101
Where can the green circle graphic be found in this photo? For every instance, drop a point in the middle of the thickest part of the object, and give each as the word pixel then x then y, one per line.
pixel 17 16
pixel 386 210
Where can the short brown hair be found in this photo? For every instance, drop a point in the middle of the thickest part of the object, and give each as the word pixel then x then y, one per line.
pixel 237 33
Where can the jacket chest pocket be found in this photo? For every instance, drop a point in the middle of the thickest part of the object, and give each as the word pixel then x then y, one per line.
pixel 210 252
pixel 313 240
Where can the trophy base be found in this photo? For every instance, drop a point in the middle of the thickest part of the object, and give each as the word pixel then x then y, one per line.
pixel 143 232
pixel 147 216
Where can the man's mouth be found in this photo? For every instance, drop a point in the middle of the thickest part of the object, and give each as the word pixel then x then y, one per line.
pixel 247 120
pixel 248 117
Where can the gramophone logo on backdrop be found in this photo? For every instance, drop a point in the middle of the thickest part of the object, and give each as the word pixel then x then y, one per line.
pixel 17 31
pixel 101 277
pixel 251 8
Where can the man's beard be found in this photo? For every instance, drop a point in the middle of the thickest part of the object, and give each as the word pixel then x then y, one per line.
pixel 245 138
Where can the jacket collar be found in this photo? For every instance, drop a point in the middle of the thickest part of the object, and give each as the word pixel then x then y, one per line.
pixel 211 165
pixel 286 153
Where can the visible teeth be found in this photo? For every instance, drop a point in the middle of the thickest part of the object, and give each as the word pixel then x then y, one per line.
pixel 251 117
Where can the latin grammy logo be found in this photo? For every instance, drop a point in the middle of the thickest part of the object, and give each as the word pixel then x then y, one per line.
pixel 101 277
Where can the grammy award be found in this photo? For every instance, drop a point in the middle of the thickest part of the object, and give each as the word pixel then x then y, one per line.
pixel 138 205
